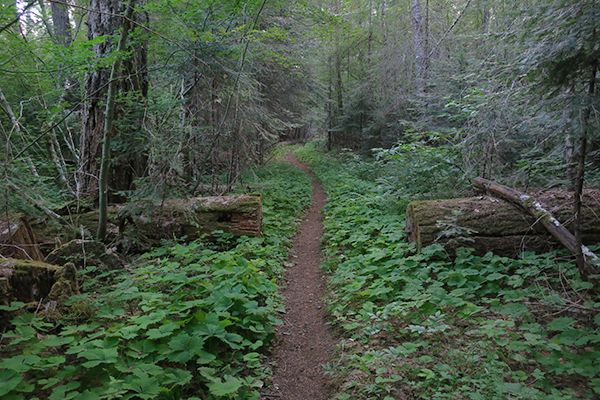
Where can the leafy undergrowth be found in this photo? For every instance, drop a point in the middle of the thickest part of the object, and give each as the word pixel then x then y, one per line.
pixel 187 321
pixel 426 326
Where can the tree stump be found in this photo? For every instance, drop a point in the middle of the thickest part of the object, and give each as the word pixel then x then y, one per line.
pixel 488 224
pixel 17 239
pixel 44 288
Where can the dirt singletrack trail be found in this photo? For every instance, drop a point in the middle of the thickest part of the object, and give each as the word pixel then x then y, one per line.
pixel 304 342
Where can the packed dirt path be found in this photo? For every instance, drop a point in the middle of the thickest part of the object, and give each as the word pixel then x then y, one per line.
pixel 304 342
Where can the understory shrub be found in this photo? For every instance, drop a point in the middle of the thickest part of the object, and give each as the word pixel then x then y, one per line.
pixel 184 321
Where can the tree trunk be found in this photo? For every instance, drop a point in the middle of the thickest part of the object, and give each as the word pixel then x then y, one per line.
pixel 61 23
pixel 108 132
pixel 240 215
pixel 488 224
pixel 103 20
pixel 571 162
pixel 383 20
pixel 583 265
pixel 421 59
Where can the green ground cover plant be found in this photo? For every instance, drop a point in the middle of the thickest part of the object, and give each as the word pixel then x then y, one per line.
pixel 427 325
pixel 185 321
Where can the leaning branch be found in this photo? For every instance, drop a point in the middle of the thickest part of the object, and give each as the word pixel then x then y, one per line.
pixel 449 29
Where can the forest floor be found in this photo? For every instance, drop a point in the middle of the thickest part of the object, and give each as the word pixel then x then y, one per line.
pixel 304 341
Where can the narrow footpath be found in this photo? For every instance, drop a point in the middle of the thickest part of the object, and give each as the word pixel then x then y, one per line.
pixel 304 342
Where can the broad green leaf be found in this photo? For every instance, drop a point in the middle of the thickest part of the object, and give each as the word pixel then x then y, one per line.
pixel 227 388
pixel 8 381
pixel 147 369
pixel 144 320
pixel 209 374
pixel 162 331
pixel 140 349
pixel 127 332
pixel 561 324
pixel 205 357
pixel 55 341
pixel 145 387
pixel 495 276
pixel 65 392
pixel 176 376
pixel 87 395
pixel 184 347
pixel 19 363
pixel 99 356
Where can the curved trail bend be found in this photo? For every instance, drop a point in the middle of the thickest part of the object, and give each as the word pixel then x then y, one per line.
pixel 304 341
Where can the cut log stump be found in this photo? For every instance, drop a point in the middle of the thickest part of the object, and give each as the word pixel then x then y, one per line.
pixel 489 224
pixel 17 239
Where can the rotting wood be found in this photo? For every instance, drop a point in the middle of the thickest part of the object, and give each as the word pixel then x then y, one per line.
pixel 17 239
pixel 541 214
pixel 36 283
pixel 240 215
pixel 487 224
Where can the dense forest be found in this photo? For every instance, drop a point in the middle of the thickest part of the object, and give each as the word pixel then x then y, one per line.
pixel 193 92
pixel 110 108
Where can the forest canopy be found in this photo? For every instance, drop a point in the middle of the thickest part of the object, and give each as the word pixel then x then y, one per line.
pixel 203 89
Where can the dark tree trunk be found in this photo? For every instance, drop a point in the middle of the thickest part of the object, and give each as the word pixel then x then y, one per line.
pixel 61 23
pixel 585 269
pixel 105 19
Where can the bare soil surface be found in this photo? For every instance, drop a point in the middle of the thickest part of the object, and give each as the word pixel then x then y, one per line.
pixel 304 342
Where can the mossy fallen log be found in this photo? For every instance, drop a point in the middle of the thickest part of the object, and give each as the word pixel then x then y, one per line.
pixel 84 254
pixel 17 239
pixel 240 215
pixel 488 224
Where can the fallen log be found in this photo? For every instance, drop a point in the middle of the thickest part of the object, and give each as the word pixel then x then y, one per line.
pixel 17 239
pixel 541 214
pixel 487 224
pixel 240 215
pixel 141 225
